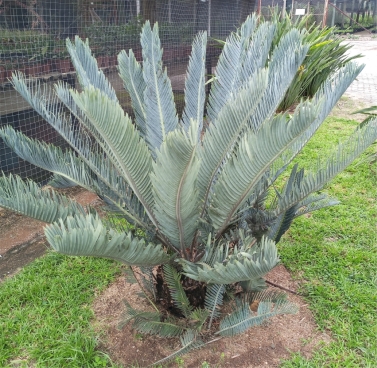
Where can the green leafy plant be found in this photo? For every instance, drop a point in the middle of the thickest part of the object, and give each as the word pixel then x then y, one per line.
pixel 372 114
pixel 25 44
pixel 325 56
pixel 60 51
pixel 205 190
pixel 110 39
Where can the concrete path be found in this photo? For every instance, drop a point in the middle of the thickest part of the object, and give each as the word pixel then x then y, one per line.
pixel 364 88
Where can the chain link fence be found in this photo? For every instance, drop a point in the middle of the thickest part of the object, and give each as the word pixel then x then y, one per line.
pixel 33 33
pixel 32 40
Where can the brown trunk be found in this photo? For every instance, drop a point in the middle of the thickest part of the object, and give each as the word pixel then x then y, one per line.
pixel 194 290
pixel 352 11
pixel 36 18
pixel 149 10
pixel 358 11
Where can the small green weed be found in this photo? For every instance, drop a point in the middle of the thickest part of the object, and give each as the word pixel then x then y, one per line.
pixel 138 337
pixel 180 362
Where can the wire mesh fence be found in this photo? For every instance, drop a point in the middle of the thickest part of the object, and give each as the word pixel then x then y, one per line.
pixel 33 34
pixel 32 40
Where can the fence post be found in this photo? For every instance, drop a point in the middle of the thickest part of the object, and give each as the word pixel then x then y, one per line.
pixel 325 9
pixel 209 18
pixel 352 11
pixel 344 11
pixel 293 9
pixel 284 9
pixel 333 15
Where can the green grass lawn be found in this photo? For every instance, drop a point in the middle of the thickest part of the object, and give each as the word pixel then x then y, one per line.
pixel 45 310
pixel 335 251
pixel 45 313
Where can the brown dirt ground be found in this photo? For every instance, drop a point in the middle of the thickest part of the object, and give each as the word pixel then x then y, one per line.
pixel 21 241
pixel 21 238
pixel 264 346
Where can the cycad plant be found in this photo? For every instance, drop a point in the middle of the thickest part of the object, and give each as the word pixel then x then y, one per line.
pixel 326 54
pixel 207 190
pixel 371 113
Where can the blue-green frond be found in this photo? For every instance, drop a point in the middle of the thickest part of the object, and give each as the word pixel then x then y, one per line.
pixel 250 262
pixel 86 235
pixel 158 95
pixel 27 198
pixel 88 73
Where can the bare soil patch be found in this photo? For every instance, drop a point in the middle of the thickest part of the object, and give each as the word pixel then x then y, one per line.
pixel 264 346
pixel 21 238
pixel 17 257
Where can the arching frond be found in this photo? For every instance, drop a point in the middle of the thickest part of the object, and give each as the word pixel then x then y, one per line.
pixel 158 95
pixel 133 81
pixel 174 187
pixel 250 263
pixel 30 200
pixel 195 84
pixel 114 190
pixel 214 300
pixel 285 61
pixel 327 96
pixel 228 68
pixel 244 318
pixel 173 280
pixel 150 323
pixel 221 136
pixel 48 157
pixel 121 142
pixel 256 153
pixel 336 162
pixel 87 236
pixel 189 341
pixel 255 102
pixel 225 76
pixel 82 123
pixel 88 73
pixel 49 107
pixel 45 103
